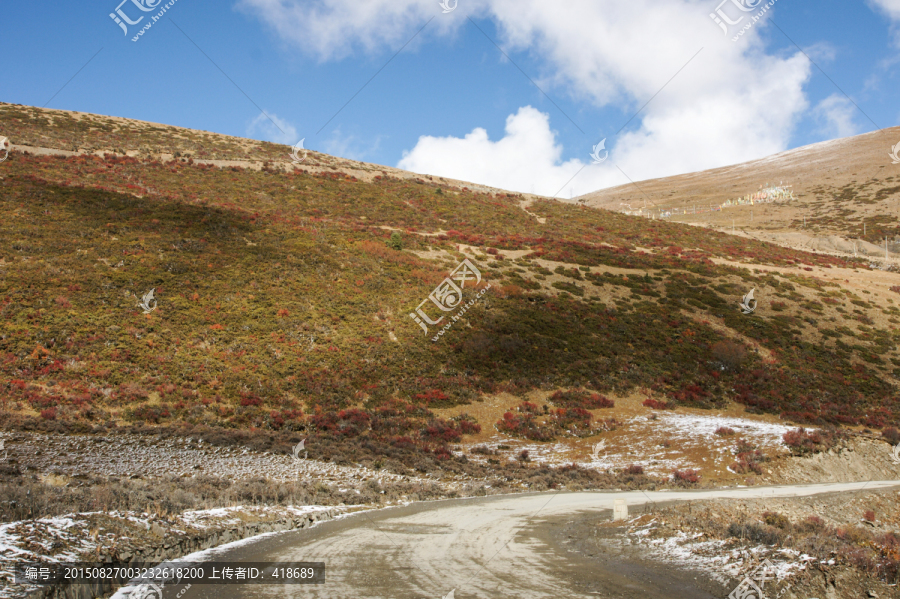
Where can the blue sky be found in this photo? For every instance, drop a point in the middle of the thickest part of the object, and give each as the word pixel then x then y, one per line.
pixel 451 103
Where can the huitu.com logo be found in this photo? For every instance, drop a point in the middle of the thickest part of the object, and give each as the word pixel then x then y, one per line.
pixel 895 152
pixel 301 446
pixel 123 20
pixel 448 296
pixel 295 158
pixel 4 147
pixel 447 6
pixel 145 304
pixel 723 20
pixel 595 155
pixel 748 303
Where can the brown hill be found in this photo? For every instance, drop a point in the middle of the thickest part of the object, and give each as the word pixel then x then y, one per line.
pixel 847 188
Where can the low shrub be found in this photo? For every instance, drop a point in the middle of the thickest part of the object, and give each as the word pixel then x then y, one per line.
pixel 686 476
pixel 777 520
pixel 730 354
pixel 524 425
pixel 756 533
pixel 724 431
pixel 803 442
pixel 529 408
pixel 577 421
pixel 891 435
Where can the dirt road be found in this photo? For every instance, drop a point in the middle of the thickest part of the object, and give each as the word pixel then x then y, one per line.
pixel 502 546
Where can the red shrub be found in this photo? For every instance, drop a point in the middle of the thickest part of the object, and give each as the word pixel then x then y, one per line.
pixel 523 425
pixel 634 469
pixel 432 396
pixel 441 430
pixel 443 453
pixel 530 408
pixel 802 442
pixel 48 414
pixel 687 476
pixel 724 431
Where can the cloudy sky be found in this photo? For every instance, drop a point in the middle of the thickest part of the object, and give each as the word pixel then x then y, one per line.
pixel 514 94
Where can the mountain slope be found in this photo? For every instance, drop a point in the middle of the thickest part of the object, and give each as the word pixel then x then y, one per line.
pixel 283 304
pixel 847 187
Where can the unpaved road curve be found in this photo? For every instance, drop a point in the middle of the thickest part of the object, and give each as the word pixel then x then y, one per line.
pixel 487 547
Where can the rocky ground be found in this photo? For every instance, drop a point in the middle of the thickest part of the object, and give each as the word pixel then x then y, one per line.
pixel 136 456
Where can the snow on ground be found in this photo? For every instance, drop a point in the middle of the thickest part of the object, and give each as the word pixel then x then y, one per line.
pixel 714 557
pixel 75 537
pixel 640 440
pixel 212 553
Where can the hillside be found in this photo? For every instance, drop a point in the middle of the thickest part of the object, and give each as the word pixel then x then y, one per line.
pixel 283 301
pixel 842 188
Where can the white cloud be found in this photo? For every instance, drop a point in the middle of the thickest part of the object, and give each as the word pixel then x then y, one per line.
pixel 349 146
pixel 732 103
pixel 835 115
pixel 528 155
pixel 889 7
pixel 271 128
pixel 333 29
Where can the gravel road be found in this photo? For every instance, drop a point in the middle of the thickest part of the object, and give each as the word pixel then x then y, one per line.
pixel 502 546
